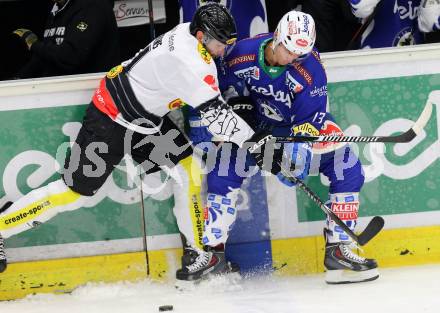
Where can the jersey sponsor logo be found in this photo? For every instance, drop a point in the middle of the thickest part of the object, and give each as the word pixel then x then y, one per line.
pixel 204 53
pixel 346 211
pixel 329 128
pixel 305 129
pixel 302 42
pixel 303 72
pixel 406 12
pixel 278 95
pixel 318 91
pixel 249 72
pixel 269 111
pixel 82 26
pixel 293 85
pixel 210 80
pixel 242 59
pixel 175 104
pixel 115 71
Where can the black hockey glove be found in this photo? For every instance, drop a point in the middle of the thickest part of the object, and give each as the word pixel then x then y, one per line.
pixel 28 37
pixel 265 151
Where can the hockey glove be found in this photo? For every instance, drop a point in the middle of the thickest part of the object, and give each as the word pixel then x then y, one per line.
pixel 28 37
pixel 261 145
pixel 299 156
pixel 197 132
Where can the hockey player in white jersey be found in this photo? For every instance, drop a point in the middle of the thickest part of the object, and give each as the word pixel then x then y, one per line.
pixel 135 98
pixel 396 22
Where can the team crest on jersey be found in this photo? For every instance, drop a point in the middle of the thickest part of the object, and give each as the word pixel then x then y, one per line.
pixel 115 71
pixel 175 104
pixel 82 26
pixel 404 38
pixel 270 111
pixel 249 72
pixel 206 56
pixel 305 129
pixel 293 85
pixel 211 81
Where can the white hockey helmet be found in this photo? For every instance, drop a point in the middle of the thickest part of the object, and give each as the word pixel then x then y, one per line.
pixel 296 31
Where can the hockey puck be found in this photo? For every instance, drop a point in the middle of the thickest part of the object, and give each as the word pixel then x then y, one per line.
pixel 163 308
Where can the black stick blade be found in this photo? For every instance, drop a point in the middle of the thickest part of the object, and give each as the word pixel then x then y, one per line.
pixel 372 229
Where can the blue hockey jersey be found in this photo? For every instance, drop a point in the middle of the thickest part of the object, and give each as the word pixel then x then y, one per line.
pixel 292 95
pixel 395 22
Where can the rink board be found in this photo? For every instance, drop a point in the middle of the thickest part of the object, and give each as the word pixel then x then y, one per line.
pixel 277 227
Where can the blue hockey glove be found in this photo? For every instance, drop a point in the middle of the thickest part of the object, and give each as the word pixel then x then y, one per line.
pixel 300 155
pixel 197 132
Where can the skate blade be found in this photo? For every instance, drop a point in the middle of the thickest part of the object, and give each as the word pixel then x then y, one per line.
pixel 350 277
pixel 186 285
pixel 230 279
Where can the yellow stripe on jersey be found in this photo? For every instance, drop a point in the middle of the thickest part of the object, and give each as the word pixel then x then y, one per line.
pixel 36 208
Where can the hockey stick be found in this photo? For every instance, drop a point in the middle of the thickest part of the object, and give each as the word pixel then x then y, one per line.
pixel 151 18
pixel 434 97
pixel 372 229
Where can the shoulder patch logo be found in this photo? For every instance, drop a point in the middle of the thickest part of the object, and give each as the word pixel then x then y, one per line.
pixel 115 71
pixel 82 26
pixel 206 56
pixel 242 59
pixel 304 73
pixel 293 85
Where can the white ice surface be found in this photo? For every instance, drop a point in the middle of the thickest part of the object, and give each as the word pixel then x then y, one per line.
pixel 399 290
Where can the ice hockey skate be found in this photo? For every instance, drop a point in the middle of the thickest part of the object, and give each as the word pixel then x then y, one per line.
pixel 3 262
pixel 198 265
pixel 344 266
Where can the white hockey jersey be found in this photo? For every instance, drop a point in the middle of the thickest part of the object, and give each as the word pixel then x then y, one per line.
pixel 173 70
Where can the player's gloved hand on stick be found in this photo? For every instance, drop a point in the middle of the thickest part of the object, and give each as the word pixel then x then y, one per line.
pixel 297 157
pixel 28 37
pixel 263 144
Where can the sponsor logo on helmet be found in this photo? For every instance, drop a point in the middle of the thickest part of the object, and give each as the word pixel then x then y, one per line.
pixel 318 91
pixel 305 129
pixel 114 71
pixel 82 26
pixel 293 85
pixel 210 80
pixel 302 42
pixel 175 104
pixel 292 29
pixel 204 53
pixel 249 72
pixel 306 24
pixel 242 59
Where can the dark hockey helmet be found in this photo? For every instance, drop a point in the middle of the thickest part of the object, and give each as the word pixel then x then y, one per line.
pixel 215 20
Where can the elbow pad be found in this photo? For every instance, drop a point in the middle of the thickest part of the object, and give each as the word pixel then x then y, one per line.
pixel 363 8
pixel 223 123
pixel 429 16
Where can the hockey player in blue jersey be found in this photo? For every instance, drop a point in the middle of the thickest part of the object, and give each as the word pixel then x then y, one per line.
pixel 396 22
pixel 281 76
